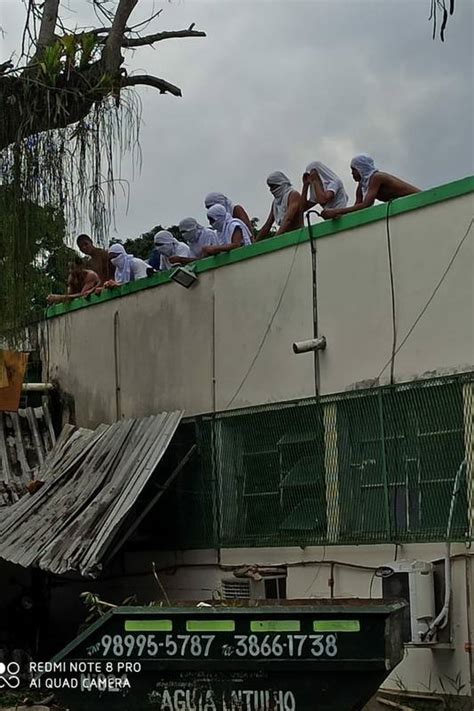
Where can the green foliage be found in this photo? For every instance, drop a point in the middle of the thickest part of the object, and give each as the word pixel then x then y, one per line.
pixel 33 258
pixel 50 62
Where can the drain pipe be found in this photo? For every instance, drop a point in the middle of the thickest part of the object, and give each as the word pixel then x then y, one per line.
pixel 316 338
pixel 442 619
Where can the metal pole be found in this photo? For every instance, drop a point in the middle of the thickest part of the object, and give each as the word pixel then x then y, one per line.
pixel 312 243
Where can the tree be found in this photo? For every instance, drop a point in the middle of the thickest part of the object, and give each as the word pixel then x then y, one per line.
pixel 68 113
pixel 43 266
pixel 445 8
pixel 64 74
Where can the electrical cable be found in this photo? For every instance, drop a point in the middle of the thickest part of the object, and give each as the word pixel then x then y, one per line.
pixel 425 307
pixel 267 330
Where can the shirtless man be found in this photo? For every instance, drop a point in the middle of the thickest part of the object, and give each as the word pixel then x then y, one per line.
pixel 98 258
pixel 286 207
pixel 81 282
pixel 372 185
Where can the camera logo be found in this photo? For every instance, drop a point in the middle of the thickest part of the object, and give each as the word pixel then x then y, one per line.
pixel 9 675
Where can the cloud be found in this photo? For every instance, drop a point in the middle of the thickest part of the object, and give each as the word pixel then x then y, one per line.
pixel 278 83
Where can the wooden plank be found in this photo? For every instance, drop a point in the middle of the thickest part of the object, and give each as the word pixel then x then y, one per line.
pixel 35 434
pixel 48 421
pixel 20 449
pixel 6 469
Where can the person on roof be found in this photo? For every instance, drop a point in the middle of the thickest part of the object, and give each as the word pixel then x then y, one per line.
pixel 230 232
pixel 325 187
pixel 98 258
pixel 372 185
pixel 170 250
pixel 127 267
pixel 81 282
pixel 286 207
pixel 236 211
pixel 196 237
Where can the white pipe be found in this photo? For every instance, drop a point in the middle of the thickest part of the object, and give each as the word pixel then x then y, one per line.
pixel 442 619
pixel 313 344
pixel 37 387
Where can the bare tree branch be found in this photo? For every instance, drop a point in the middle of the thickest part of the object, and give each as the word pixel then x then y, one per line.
pixel 5 66
pixel 48 23
pixel 148 80
pixel 111 53
pixel 159 36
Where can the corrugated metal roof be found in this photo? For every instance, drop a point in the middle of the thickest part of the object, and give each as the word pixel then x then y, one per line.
pixel 26 437
pixel 92 479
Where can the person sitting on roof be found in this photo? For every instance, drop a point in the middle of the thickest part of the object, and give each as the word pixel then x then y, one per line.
pixel 196 236
pixel 286 207
pixel 373 185
pixel 170 250
pixel 81 282
pixel 236 211
pixel 230 231
pixel 127 267
pixel 325 187
pixel 98 258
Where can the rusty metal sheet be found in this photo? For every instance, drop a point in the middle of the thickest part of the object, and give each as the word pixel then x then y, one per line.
pixel 91 481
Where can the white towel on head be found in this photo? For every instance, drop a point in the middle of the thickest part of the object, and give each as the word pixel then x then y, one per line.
pixel 168 246
pixel 122 263
pixel 281 190
pixel 365 166
pixel 196 235
pixel 225 225
pixel 330 181
pixel 218 199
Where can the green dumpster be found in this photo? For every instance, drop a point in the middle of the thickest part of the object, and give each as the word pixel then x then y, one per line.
pixel 300 655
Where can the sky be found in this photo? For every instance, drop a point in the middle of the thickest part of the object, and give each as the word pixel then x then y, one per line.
pixel 277 84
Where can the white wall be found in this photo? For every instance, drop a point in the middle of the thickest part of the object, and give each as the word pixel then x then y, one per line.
pixel 196 575
pixel 240 321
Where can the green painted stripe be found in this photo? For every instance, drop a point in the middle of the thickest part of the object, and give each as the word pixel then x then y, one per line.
pixel 275 625
pixel 148 625
pixel 457 188
pixel 336 626
pixel 210 626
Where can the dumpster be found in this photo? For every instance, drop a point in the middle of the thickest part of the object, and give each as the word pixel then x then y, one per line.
pixel 299 655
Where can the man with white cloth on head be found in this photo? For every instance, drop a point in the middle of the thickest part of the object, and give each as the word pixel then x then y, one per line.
pixel 230 232
pixel 236 211
pixel 372 185
pixel 196 237
pixel 286 207
pixel 170 249
pixel 127 267
pixel 325 187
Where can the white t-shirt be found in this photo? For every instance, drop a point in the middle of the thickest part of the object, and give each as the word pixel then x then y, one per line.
pixel 138 269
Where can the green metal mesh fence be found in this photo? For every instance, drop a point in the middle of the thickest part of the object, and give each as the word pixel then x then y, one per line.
pixel 362 467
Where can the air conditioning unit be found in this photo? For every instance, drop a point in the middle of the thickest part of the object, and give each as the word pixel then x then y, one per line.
pixel 233 589
pixel 414 581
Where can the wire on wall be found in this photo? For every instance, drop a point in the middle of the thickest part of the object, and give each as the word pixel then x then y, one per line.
pixel 433 294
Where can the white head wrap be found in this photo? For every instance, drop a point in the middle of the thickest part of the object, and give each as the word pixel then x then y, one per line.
pixel 225 225
pixel 218 199
pixel 364 165
pixel 122 263
pixel 281 192
pixel 330 181
pixel 196 235
pixel 168 246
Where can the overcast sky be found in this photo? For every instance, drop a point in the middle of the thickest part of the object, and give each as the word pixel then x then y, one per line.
pixel 279 83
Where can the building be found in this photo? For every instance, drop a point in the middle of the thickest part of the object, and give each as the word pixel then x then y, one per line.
pixel 312 469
